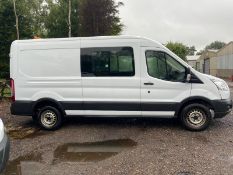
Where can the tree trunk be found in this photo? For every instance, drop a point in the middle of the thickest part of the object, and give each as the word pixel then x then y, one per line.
pixel 69 19
pixel 16 20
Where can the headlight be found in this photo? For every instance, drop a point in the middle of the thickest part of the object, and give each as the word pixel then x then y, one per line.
pixel 221 85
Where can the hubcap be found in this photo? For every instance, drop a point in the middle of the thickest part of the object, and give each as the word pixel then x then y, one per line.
pixel 48 118
pixel 196 117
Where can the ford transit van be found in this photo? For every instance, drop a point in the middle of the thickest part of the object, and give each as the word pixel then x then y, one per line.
pixel 111 76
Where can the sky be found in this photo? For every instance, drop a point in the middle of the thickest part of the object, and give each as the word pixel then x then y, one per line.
pixel 192 22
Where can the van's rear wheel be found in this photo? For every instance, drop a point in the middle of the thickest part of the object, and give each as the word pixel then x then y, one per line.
pixel 196 117
pixel 49 118
pixel 35 118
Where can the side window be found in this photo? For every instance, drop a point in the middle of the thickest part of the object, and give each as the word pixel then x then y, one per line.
pixel 162 66
pixel 109 61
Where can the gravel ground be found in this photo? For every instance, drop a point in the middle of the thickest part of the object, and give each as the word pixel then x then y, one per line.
pixel 118 146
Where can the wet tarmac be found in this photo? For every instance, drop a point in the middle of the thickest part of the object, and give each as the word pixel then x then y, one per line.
pixel 27 130
pixel 24 165
pixel 23 133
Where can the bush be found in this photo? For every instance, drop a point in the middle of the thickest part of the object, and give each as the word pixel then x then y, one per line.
pixel 4 71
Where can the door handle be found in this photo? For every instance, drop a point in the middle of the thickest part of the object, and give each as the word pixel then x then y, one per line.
pixel 149 84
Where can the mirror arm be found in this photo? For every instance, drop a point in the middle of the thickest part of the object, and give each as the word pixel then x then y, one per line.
pixel 188 75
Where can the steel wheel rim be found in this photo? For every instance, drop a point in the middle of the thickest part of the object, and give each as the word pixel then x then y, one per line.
pixel 196 117
pixel 48 118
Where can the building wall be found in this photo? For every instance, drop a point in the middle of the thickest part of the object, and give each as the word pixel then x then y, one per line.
pixel 192 64
pixel 227 50
pixel 212 66
pixel 198 66
pixel 225 73
pixel 221 62
pixel 224 61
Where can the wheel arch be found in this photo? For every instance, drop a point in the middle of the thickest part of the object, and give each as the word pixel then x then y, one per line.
pixel 201 100
pixel 48 102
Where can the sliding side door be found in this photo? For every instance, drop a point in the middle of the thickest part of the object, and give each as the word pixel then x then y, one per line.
pixel 111 80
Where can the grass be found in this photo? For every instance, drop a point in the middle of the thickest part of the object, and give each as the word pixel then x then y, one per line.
pixel 7 92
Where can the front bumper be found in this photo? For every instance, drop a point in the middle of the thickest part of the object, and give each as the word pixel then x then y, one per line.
pixel 4 152
pixel 222 107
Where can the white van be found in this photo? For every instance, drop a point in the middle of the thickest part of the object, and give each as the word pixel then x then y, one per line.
pixel 111 76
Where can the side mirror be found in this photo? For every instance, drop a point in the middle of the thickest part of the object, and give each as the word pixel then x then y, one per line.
pixel 188 75
pixel 188 78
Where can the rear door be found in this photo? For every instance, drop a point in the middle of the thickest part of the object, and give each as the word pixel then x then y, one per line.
pixel 163 84
pixel 111 79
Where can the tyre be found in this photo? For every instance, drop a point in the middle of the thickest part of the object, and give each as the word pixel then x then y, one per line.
pixel 35 118
pixel 196 117
pixel 49 118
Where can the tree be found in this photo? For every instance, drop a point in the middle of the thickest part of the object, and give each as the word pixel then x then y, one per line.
pixel 191 50
pixel 26 19
pixel 31 16
pixel 200 52
pixel 16 20
pixel 69 19
pixel 62 19
pixel 7 35
pixel 215 45
pixel 178 48
pixel 100 17
pixel 19 19
pixel 36 12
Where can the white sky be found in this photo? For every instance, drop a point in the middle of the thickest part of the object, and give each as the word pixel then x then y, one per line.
pixel 192 22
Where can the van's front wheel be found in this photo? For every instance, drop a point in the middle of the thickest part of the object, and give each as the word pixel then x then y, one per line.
pixel 49 118
pixel 196 117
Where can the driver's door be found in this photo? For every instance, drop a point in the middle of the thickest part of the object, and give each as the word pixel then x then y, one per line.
pixel 163 84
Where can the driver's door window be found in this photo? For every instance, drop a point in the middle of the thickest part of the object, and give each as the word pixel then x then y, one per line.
pixel 162 66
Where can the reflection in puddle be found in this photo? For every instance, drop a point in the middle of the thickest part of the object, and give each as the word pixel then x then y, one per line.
pixel 25 165
pixel 91 152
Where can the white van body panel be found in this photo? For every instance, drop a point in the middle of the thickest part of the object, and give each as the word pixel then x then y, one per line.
pixel 48 69
pixel 208 89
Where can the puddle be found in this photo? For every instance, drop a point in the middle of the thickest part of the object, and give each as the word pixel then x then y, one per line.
pixel 202 139
pixel 91 152
pixel 184 173
pixel 22 133
pixel 30 164
pixel 25 165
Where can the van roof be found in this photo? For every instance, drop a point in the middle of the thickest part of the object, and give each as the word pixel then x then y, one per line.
pixel 84 38
pixel 144 41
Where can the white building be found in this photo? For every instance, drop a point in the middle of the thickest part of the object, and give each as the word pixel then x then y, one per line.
pixel 224 61
pixel 192 61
